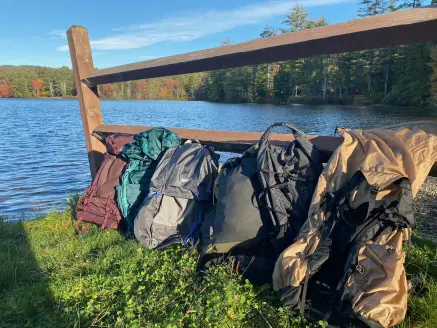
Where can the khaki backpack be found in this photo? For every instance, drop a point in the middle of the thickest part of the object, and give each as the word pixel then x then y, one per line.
pixel 346 265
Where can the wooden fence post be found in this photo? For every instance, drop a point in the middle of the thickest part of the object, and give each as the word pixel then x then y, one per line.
pixel 82 61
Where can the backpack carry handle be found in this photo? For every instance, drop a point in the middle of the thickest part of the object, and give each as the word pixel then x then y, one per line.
pixel 298 135
pixel 274 125
pixel 192 141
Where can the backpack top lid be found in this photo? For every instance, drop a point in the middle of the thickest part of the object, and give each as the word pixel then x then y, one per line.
pixel 187 171
pixel 150 144
pixel 115 142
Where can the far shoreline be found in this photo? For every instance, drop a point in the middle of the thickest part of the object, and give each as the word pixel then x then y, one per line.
pixel 380 106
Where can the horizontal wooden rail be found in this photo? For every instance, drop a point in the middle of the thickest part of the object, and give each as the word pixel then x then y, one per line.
pixel 233 141
pixel 227 141
pixel 392 29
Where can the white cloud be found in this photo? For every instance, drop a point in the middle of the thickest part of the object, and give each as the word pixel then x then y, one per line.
pixel 57 34
pixel 194 26
pixel 63 48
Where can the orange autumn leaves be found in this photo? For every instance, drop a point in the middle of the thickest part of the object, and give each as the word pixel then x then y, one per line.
pixel 6 89
pixel 37 85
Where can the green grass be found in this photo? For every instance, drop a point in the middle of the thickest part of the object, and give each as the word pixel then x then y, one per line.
pixel 49 277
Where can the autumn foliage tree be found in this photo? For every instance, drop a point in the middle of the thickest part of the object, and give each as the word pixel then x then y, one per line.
pixel 107 91
pixel 141 89
pixel 6 89
pixel 37 85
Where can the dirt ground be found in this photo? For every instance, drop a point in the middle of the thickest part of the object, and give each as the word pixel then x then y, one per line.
pixel 425 209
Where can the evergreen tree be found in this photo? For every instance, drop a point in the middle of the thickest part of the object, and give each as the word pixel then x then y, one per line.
pixel 433 76
pixel 371 8
pixel 297 19
pixel 263 75
pixel 215 85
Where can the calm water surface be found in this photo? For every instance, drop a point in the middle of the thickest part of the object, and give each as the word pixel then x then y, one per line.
pixel 43 157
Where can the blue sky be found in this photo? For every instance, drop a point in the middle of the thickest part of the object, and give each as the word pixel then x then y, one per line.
pixel 33 32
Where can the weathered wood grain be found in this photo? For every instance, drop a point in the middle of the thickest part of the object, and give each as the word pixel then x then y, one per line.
pixel 82 61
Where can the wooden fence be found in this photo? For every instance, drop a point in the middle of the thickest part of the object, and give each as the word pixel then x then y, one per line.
pixel 392 29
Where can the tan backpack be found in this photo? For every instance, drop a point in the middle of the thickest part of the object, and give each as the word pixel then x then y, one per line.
pixel 346 265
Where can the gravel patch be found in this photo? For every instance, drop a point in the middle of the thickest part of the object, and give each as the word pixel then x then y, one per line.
pixel 425 209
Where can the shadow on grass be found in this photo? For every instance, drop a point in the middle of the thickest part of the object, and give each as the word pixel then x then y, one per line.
pixel 24 288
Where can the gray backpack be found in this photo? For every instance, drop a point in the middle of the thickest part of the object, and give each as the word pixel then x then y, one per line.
pixel 181 192
pixel 262 200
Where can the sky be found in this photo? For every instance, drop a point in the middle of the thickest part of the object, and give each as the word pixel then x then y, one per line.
pixel 123 32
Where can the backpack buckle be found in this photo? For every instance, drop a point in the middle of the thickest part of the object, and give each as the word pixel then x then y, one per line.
pixel 360 269
pixel 329 196
pixel 374 189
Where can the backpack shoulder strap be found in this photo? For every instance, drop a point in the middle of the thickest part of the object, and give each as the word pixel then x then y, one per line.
pixel 341 193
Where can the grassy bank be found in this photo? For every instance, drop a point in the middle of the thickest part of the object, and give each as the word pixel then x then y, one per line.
pixel 51 278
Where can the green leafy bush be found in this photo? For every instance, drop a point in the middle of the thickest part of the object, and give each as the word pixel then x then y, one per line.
pixel 52 277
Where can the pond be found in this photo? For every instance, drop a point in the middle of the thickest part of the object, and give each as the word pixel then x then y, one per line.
pixel 44 160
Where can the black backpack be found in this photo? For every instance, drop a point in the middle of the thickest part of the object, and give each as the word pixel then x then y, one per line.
pixel 262 200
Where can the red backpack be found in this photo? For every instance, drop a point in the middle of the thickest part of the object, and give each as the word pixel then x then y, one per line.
pixel 98 204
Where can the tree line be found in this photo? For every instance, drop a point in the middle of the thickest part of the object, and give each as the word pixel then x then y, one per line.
pixel 37 82
pixel 34 81
pixel 401 76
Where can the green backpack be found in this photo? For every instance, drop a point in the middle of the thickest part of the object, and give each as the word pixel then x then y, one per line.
pixel 142 155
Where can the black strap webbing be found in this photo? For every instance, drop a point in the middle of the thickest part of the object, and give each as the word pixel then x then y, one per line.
pixel 305 288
